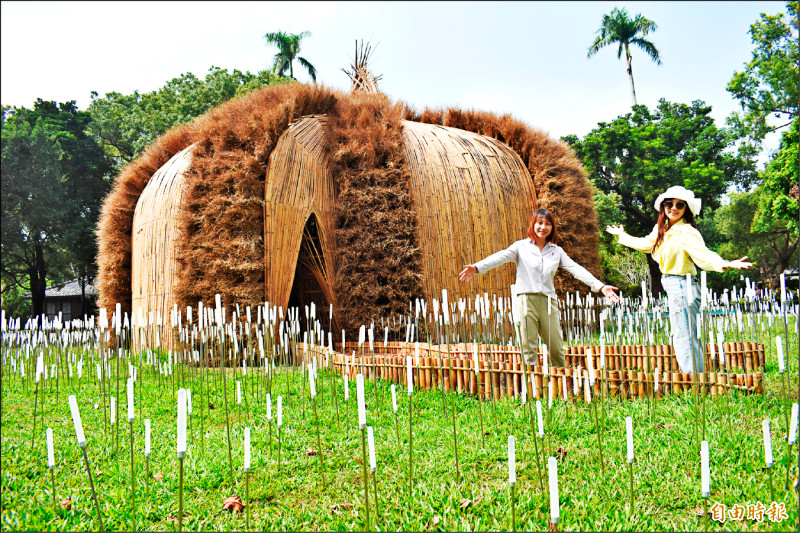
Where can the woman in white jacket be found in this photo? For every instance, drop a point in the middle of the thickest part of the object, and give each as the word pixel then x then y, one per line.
pixel 538 257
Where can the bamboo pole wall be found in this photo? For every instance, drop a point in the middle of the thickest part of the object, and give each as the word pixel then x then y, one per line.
pixel 473 197
pixel 299 184
pixel 153 247
pixel 501 370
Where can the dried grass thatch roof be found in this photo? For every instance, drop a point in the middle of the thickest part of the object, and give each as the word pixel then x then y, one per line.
pixel 378 263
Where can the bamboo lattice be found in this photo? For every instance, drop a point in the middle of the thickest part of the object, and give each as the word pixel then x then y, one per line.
pixel 299 184
pixel 153 247
pixel 501 370
pixel 473 197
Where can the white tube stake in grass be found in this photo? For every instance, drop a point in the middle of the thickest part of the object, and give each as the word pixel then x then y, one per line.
pixel 238 392
pixel 721 347
pixel 587 388
pixel 704 469
pixel 512 460
pixel 545 359
pixel 280 411
pixel 146 437
pixel 793 425
pixel 629 434
pixel 781 362
pixel 394 398
pixel 552 471
pixel 181 447
pixel 475 367
pixel 311 382
pixel 373 465
pixel 409 376
pixel 76 421
pixel 113 409
pixel 655 376
pixel 539 418
pixel 130 400
pixel 247 448
pixel 783 287
pixel 346 387
pixel 51 462
pixel 362 411
pixel 767 443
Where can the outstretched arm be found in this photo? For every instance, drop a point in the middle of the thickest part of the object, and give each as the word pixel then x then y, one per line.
pixel 466 275
pixel 496 259
pixel 738 264
pixel 586 277
pixel 643 244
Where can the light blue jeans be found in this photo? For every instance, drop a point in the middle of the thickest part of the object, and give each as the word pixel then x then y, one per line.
pixel 683 322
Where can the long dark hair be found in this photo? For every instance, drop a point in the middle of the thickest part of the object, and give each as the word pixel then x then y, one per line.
pixel 664 224
pixel 548 216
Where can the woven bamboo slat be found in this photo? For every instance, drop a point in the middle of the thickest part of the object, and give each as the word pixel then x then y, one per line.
pixel 153 247
pixel 473 197
pixel 501 372
pixel 299 184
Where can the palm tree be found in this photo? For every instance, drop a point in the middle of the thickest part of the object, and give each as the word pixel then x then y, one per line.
pixel 618 27
pixel 288 47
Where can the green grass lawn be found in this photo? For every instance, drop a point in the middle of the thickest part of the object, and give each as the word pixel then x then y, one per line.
pixel 289 495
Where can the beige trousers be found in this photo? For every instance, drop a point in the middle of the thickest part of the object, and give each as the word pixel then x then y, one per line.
pixel 537 323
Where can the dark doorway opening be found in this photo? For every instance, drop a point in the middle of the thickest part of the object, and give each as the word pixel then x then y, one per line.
pixel 311 280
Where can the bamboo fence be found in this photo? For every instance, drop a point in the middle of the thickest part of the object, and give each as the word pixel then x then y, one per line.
pixel 299 185
pixel 501 371
pixel 473 197
pixel 154 241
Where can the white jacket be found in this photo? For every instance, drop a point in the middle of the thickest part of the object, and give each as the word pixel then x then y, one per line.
pixel 536 269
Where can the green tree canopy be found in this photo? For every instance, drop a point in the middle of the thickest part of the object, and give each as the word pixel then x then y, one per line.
pixel 748 228
pixel 288 47
pixel 636 157
pixel 618 28
pixel 768 85
pixel 54 178
pixel 127 124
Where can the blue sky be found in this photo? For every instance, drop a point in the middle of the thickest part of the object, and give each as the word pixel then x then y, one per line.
pixel 524 58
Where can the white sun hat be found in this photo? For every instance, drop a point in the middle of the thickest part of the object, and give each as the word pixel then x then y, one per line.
pixel 680 193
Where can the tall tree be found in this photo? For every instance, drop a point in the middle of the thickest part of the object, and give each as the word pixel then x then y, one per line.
pixel 617 27
pixel 32 198
pixel 636 157
pixel 288 47
pixel 750 228
pixel 54 179
pixel 767 87
pixel 127 124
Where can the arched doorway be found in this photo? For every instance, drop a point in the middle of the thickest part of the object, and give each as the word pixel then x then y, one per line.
pixel 312 279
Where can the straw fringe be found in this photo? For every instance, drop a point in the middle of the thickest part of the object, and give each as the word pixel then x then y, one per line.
pixel 369 217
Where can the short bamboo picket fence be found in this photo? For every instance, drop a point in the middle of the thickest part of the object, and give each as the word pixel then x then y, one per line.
pixel 501 372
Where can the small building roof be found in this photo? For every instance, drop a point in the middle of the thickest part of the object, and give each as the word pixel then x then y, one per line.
pixel 66 289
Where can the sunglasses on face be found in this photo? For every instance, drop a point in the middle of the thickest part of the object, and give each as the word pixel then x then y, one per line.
pixel 678 205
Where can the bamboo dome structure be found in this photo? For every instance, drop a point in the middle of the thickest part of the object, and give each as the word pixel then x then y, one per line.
pixel 293 193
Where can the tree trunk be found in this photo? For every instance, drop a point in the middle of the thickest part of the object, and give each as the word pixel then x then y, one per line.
pixel 655 277
pixel 82 279
pixel 630 76
pixel 37 273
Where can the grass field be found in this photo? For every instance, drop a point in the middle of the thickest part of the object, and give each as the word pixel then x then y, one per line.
pixel 290 494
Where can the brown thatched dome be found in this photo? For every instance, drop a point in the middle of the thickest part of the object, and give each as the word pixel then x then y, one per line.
pixel 295 193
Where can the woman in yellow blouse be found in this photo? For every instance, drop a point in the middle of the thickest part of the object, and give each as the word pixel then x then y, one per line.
pixel 678 248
